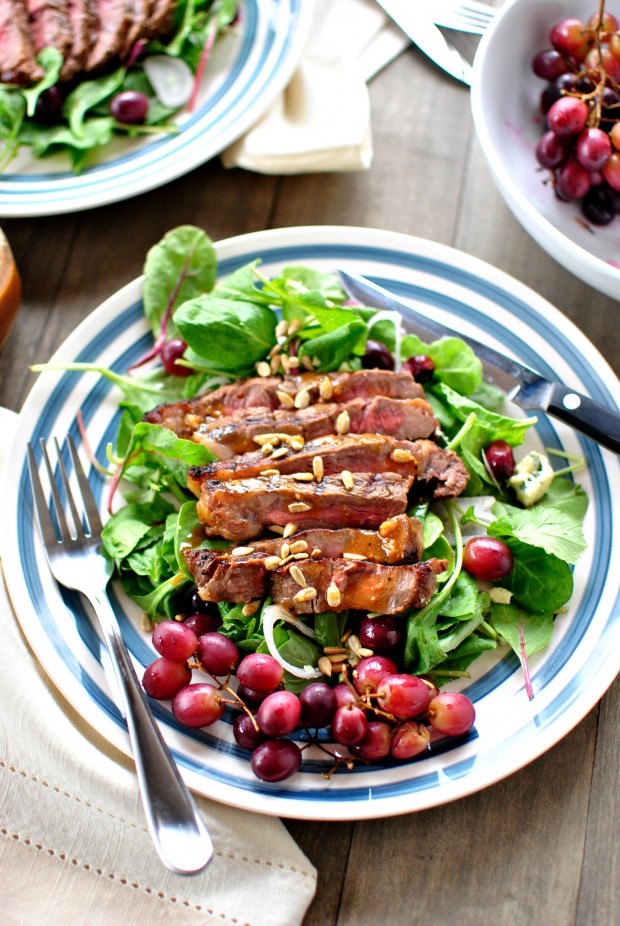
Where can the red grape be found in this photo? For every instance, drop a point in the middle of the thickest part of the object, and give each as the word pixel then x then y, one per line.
pixel 198 705
pixel 570 37
pixel 349 725
pixel 420 366
pixel 174 640
pixel 409 740
pixel 567 116
pixel 500 459
pixel 551 150
pixel 129 107
pixel 593 149
pixel 245 733
pixel 380 634
pixel 377 742
pixel 217 654
pixel 377 357
pixel 403 695
pixel 343 695
pixel 318 704
pixel 549 64
pixel 487 558
pixel 572 181
pixel 279 713
pixel 275 760
pixel 260 671
pixel 370 671
pixel 170 353
pixel 203 623
pixel 451 713
pixel 164 677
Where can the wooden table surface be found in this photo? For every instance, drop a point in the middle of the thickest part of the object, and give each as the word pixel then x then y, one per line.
pixel 540 848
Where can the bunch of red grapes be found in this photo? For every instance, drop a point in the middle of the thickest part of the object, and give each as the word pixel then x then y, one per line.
pixel 375 711
pixel 581 105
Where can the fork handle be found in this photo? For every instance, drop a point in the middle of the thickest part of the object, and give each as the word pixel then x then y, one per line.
pixel 176 827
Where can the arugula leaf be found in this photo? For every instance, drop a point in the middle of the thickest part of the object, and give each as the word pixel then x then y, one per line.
pixel 181 266
pixel 553 527
pixel 486 425
pixel 153 446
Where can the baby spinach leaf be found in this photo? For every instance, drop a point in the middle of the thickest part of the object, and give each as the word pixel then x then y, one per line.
pixel 487 425
pixel 539 581
pixel 455 362
pixel 125 530
pixel 230 334
pixel 181 266
pixel 334 348
pixel 88 94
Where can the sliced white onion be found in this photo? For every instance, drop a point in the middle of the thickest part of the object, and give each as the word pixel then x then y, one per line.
pixel 171 79
pixel 273 613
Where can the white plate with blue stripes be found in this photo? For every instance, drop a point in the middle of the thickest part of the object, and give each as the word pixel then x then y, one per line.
pixel 568 678
pixel 246 71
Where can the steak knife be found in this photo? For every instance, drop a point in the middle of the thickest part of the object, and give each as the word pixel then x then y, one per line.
pixel 521 384
pixel 422 31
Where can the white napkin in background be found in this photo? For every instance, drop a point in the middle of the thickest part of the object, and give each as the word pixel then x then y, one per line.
pixel 74 848
pixel 321 122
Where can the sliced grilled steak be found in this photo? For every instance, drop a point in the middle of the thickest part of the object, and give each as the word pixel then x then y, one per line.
pixel 139 11
pixel 441 469
pixel 404 419
pixel 50 25
pixel 17 55
pixel 226 577
pixel 113 22
pixel 241 509
pixel 159 20
pixel 84 26
pixel 341 584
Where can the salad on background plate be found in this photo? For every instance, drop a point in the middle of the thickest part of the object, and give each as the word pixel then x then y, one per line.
pixel 525 632
pixel 168 101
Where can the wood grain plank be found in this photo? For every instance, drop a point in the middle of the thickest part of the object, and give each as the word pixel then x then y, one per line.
pixel 509 855
pixel 327 846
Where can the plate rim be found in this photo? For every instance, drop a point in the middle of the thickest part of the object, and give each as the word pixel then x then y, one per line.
pixel 261 241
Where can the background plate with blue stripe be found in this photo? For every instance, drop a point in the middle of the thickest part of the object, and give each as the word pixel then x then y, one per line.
pixel 247 70
pixel 568 678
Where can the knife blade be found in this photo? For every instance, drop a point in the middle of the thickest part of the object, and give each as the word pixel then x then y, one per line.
pixel 422 31
pixel 522 385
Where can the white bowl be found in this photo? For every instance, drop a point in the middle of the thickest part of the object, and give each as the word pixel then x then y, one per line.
pixel 505 100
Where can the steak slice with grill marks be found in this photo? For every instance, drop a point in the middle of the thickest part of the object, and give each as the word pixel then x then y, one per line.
pixel 427 462
pixel 50 25
pixel 84 27
pixel 262 392
pixel 404 419
pixel 222 576
pixel 340 584
pixel 17 54
pixel 241 509
pixel 113 23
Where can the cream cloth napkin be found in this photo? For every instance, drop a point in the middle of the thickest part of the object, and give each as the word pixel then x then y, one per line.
pixel 321 122
pixel 74 848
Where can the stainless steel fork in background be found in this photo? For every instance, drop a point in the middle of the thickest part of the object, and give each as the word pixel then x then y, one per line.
pixel 76 561
pixel 464 16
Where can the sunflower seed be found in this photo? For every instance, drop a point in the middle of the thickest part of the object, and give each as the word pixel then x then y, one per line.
pixel 325 665
pixel 263 369
pixel 241 551
pixel 347 479
pixel 302 399
pixel 333 595
pixel 298 576
pixel 318 468
pixel 402 456
pixel 326 390
pixel 298 507
pixel 358 557
pixel 303 477
pixel 305 594
pixel 285 399
pixel 272 562
pixel 300 546
pixel 343 422
pixel 291 528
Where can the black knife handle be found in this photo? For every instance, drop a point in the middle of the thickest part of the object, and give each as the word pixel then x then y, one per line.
pixel 600 423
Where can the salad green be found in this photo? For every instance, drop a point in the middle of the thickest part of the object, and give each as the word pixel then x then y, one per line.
pixel 82 124
pixel 230 326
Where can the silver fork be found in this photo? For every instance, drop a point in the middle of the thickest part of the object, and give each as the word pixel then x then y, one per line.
pixel 465 16
pixel 76 561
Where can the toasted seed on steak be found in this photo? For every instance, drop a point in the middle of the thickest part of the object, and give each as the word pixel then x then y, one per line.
pixel 363 586
pixel 220 576
pixel 404 419
pixel 17 54
pixel 427 462
pixel 241 509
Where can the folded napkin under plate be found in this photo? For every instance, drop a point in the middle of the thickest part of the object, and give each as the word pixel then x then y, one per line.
pixel 74 847
pixel 321 122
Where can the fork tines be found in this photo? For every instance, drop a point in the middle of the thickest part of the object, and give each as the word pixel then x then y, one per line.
pixel 85 523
